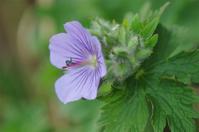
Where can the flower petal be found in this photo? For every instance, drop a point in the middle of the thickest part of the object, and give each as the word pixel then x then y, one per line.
pixel 79 33
pixel 63 47
pixel 100 57
pixel 76 84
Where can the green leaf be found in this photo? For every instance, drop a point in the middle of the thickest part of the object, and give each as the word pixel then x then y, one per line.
pixel 124 111
pixel 151 42
pixel 173 102
pixel 127 109
pixel 122 36
pixel 172 99
pixel 171 42
pixel 183 67
pixel 150 27
pixel 170 60
pixel 136 24
pixel 152 22
pixel 105 88
pixel 142 54
pixel 159 119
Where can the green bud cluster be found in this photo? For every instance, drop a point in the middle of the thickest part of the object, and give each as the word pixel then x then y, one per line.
pixel 128 44
pixel 125 45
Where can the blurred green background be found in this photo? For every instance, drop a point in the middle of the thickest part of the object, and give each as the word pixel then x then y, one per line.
pixel 27 99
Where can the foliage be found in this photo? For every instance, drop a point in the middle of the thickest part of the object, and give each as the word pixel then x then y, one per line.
pixel 158 93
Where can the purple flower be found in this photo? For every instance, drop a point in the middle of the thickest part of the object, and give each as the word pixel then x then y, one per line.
pixel 80 55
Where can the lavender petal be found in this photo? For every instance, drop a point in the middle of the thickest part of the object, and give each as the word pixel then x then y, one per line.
pixel 100 57
pixel 80 34
pixel 78 83
pixel 62 48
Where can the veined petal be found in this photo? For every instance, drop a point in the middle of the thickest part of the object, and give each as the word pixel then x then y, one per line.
pixel 76 84
pixel 80 53
pixel 63 47
pixel 100 57
pixel 79 33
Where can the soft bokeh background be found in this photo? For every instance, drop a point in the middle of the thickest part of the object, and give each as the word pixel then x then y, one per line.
pixel 27 99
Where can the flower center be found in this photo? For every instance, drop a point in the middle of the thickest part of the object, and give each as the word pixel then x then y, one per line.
pixel 92 61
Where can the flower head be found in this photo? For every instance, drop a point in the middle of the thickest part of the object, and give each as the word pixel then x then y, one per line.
pixel 80 54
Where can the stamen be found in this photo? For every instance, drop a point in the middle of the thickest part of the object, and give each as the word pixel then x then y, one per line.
pixel 68 63
pixel 91 61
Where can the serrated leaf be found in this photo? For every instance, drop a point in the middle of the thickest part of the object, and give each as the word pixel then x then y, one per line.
pixel 127 110
pixel 173 101
pixel 171 42
pixel 124 112
pixel 184 67
pixel 170 60
pixel 159 119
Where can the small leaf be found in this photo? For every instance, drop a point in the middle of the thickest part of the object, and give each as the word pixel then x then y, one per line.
pixel 143 53
pixel 105 88
pixel 151 42
pixel 152 22
pixel 122 35
pixel 136 24
pixel 150 27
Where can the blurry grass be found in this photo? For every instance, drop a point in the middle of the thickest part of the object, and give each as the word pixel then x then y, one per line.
pixel 24 118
